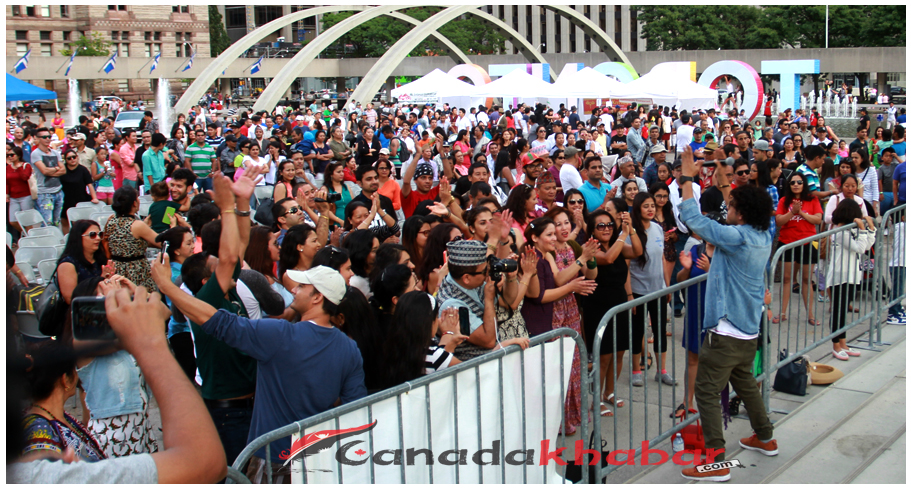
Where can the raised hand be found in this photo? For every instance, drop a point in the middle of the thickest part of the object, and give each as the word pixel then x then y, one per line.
pixel 581 286
pixel 438 209
pixel 508 221
pixel 161 272
pixel 107 271
pixel 686 260
pixel 243 187
pixel 689 167
pixel 796 207
pixel 703 262
pixel 137 321
pixel 445 189
pixel 224 193
pixel 589 249
pixel 529 262
pixel 322 207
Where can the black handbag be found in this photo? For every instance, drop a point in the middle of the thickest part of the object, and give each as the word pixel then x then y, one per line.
pixel 574 472
pixel 51 309
pixel 263 214
pixel 793 377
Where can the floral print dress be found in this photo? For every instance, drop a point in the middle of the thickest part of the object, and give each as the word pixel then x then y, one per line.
pixel 566 315
pixel 129 252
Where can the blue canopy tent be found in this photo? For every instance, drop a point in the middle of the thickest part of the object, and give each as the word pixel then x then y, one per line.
pixel 17 89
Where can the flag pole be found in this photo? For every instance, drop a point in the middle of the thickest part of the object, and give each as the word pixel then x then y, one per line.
pixel 147 64
pixel 106 63
pixel 251 66
pixel 188 59
pixel 61 66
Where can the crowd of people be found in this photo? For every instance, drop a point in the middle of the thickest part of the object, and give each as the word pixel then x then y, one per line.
pixel 310 258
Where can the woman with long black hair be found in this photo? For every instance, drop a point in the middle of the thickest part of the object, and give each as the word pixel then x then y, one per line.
pixel 797 215
pixel 432 269
pixel 414 237
pixel 298 248
pixel 82 257
pixel 362 246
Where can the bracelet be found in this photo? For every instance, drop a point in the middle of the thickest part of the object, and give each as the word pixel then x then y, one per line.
pixel 448 332
pixel 324 217
pixel 592 264
pixel 491 247
pixel 228 211
pixel 504 242
pixel 577 262
pixel 724 186
pixel 523 283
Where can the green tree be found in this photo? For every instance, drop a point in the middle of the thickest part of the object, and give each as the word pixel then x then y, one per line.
pixel 218 37
pixel 669 27
pixel 375 37
pixel 96 45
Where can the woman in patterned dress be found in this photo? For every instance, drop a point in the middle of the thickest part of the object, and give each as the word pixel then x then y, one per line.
pixel 128 238
pixel 46 428
pixel 115 390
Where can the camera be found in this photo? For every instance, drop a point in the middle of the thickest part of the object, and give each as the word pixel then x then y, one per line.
pixel 331 198
pixel 497 267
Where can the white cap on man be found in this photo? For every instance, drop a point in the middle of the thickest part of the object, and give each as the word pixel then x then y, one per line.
pixel 327 281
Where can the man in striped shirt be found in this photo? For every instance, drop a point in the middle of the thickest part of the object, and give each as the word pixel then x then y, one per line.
pixel 200 159
pixel 212 138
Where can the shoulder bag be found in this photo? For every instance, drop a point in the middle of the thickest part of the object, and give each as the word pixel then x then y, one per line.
pixel 51 309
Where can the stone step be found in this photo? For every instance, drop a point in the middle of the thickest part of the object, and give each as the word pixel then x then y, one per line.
pixel 888 468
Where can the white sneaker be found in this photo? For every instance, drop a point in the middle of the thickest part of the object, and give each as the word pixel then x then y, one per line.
pixel 895 320
pixel 841 355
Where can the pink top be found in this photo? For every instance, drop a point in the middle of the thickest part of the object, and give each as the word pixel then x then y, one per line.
pixel 128 154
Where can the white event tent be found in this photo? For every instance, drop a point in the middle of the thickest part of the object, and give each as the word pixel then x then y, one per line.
pixel 514 87
pixel 666 89
pixel 585 83
pixel 430 88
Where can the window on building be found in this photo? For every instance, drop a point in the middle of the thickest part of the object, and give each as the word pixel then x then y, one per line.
pixel 21 49
pixel 178 50
pixel 633 30
pixel 264 15
pixel 66 35
pixel 147 50
pixel 187 36
pixel 123 85
pixel 178 36
pixel 125 35
pixel 158 36
pixel 148 36
pixel 124 50
pixel 65 11
pixel 17 10
pixel 587 43
pixel 121 8
pixel 180 9
pixel 156 48
pixel 235 17
pixel 22 35
pixel 115 35
pixel 49 85
pixel 587 11
pixel 46 50
pixel 45 10
pixel 30 10
pixel 45 35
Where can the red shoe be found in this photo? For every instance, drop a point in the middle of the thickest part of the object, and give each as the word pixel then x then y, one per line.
pixel 752 443
pixel 720 475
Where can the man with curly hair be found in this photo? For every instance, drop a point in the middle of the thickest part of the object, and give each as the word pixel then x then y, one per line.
pixel 731 324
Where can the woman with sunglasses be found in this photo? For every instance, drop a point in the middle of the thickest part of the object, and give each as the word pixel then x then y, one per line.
pixel 128 239
pixel 574 202
pixel 797 216
pixel 77 186
pixel 17 188
pixel 543 311
pixel 540 137
pixel 611 228
pixel 82 257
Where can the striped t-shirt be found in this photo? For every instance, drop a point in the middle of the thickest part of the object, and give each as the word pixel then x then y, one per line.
pixel 437 359
pixel 200 159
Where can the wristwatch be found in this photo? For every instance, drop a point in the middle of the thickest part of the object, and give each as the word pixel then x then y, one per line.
pixel 241 213
pixel 685 179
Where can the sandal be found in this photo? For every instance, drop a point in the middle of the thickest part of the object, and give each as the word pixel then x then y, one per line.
pixel 649 362
pixel 680 412
pixel 614 402
pixel 813 322
pixel 779 319
pixel 651 340
pixel 605 411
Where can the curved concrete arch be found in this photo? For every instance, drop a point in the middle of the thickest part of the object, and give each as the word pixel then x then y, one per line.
pixel 384 67
pixel 277 86
pixel 528 50
pixel 208 76
pixel 605 43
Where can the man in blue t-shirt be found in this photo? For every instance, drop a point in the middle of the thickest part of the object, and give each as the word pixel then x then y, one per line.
pixel 899 184
pixel 699 141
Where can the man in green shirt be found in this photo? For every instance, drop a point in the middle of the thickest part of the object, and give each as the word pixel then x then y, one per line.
pixel 153 168
pixel 201 160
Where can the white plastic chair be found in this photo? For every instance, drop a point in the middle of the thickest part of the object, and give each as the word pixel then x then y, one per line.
pixel 9 240
pixel 28 325
pixel 144 208
pixel 102 218
pixel 30 217
pixel 262 193
pixel 48 231
pixel 27 270
pixel 46 269
pixel 74 214
pixel 145 198
pixel 34 254
pixel 107 208
pixel 90 205
pixel 40 241
pixel 59 249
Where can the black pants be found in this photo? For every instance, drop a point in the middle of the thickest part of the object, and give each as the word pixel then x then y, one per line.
pixel 657 310
pixel 182 344
pixel 841 297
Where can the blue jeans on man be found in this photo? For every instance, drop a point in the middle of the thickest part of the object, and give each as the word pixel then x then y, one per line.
pixel 51 207
pixel 233 427
pixel 898 289
pixel 885 203
pixel 204 183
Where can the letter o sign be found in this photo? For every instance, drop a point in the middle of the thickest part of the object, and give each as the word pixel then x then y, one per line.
pixel 475 73
pixel 752 86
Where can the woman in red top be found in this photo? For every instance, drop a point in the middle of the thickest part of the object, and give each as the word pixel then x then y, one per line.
pixel 798 215
pixel 463 144
pixel 17 193
pixel 350 168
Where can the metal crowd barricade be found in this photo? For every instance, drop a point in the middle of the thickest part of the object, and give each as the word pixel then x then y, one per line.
pixel 889 274
pixel 235 473
pixel 629 410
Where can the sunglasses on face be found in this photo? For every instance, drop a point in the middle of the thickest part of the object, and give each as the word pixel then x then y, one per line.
pixel 293 210
pixel 43 137
pixel 796 182
pixel 94 234
pixel 68 158
pixel 457 238
pixel 743 172
pixel 10 155
pixel 601 226
pixel 575 202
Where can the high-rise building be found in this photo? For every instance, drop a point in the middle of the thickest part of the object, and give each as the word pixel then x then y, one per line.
pixel 132 30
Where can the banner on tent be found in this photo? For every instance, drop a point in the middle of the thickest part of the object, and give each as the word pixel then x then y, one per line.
pixel 419 98
pixel 496 423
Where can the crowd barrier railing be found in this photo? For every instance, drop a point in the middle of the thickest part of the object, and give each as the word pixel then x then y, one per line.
pixel 891 248
pixel 519 417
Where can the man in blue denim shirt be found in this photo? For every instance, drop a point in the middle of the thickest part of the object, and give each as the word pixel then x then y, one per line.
pixel 731 322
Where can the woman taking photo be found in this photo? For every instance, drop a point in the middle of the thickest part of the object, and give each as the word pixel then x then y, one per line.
pixel 77 186
pixel 648 274
pixel 368 148
pixel 610 228
pixel 47 430
pixel 103 175
pixel 334 182
pixel 82 257
pixel 362 246
pixel 298 248
pixel 388 186
pixel 17 188
pixel 544 310
pixel 843 274
pixel 275 156
pixel 797 215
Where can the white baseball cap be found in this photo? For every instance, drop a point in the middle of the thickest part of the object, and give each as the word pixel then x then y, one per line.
pixel 326 281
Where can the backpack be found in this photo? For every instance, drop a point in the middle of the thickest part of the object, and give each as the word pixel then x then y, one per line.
pixel 403 152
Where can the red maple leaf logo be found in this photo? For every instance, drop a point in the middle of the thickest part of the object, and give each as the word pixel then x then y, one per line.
pixel 360 451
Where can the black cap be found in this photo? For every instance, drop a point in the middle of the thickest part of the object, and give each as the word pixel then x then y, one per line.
pixel 231 138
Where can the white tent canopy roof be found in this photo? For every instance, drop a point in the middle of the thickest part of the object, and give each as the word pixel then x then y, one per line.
pixel 429 88
pixel 585 83
pixel 664 89
pixel 518 83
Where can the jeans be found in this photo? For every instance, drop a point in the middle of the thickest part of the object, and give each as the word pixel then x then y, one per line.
pixel 898 289
pixel 724 359
pixel 50 206
pixel 233 426
pixel 204 184
pixel 131 183
pixel 885 203
pixel 678 247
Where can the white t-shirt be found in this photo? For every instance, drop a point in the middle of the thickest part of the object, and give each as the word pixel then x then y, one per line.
pixel 263 160
pixel 608 121
pixel 676 199
pixel 684 137
pixel 483 117
pixel 570 177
